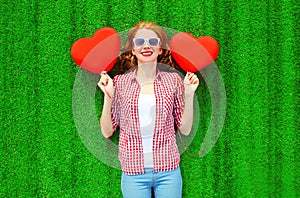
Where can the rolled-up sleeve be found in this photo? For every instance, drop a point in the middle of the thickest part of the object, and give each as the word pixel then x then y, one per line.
pixel 115 108
pixel 178 101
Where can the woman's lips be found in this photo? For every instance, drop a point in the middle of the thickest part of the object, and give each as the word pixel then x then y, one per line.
pixel 147 53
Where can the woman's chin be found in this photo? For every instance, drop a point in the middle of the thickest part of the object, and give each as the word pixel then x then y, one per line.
pixel 147 59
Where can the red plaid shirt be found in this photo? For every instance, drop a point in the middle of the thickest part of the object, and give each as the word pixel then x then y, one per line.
pixel 169 94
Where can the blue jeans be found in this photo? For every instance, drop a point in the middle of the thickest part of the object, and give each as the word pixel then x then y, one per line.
pixel 166 184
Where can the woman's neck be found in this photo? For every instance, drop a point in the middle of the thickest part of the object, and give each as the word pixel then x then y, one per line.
pixel 146 72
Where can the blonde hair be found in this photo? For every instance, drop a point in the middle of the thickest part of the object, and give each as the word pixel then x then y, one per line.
pixel 128 60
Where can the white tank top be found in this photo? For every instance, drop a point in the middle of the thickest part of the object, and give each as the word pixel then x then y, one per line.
pixel 147 114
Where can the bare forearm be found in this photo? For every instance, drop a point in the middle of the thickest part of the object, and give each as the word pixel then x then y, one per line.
pixel 188 116
pixel 105 120
pixel 191 83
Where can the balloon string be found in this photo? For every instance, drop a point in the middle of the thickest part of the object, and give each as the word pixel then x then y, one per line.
pixel 106 92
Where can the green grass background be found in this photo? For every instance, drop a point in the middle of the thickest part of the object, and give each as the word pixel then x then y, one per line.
pixel 257 154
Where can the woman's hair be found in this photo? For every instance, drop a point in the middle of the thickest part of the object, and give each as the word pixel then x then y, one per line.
pixel 128 60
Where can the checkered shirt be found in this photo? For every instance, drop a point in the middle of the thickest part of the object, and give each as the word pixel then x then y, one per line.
pixel 169 94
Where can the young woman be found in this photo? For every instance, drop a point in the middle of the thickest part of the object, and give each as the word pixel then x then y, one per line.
pixel 146 103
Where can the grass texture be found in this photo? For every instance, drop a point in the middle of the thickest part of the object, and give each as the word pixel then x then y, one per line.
pixel 257 153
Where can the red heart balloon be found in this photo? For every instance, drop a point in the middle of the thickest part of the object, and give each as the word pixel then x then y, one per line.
pixel 98 53
pixel 193 54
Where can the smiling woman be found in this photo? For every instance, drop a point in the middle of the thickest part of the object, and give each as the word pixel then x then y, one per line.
pixel 44 155
pixel 128 60
pixel 148 152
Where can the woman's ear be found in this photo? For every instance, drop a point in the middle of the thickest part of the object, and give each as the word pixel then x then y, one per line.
pixel 160 51
pixel 132 51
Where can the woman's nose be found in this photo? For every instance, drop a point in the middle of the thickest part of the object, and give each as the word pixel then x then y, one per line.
pixel 146 46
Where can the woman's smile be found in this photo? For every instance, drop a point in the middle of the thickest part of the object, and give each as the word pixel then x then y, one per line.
pixel 147 53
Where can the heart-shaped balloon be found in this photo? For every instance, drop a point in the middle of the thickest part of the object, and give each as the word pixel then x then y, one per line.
pixel 193 54
pixel 98 53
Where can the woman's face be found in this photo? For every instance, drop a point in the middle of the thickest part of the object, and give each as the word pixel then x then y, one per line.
pixel 146 46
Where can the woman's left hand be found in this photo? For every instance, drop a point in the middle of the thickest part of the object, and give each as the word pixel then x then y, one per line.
pixel 191 82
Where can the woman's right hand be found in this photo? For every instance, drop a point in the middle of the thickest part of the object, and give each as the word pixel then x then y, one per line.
pixel 106 84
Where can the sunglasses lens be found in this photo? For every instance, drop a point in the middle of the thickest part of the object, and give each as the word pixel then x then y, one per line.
pixel 139 42
pixel 153 41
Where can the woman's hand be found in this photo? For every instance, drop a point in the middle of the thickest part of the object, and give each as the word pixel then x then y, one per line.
pixel 106 84
pixel 191 83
